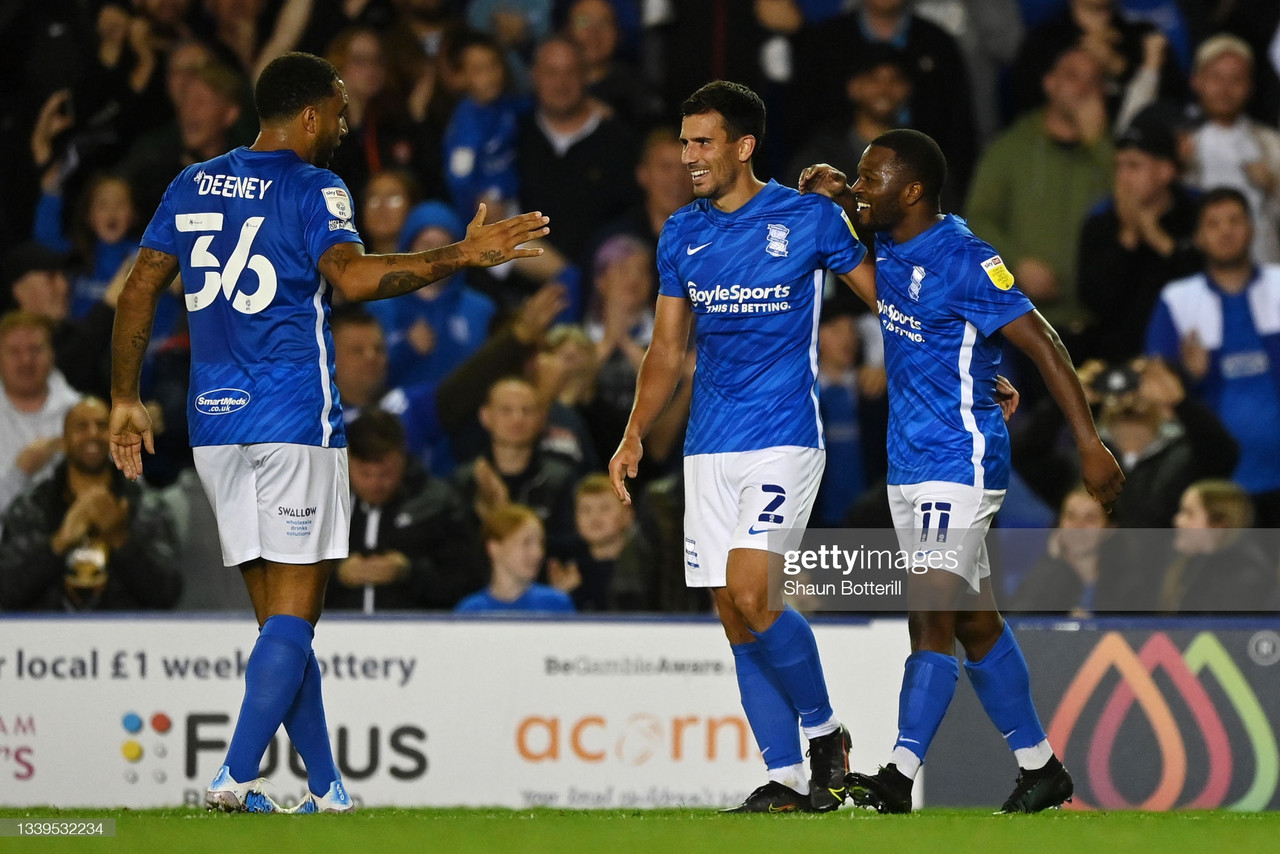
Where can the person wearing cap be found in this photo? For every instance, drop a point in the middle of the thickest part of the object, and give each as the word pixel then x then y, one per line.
pixel 432 331
pixel 1136 241
pixel 1231 149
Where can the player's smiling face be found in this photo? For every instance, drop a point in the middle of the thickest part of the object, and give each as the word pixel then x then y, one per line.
pixel 878 190
pixel 713 160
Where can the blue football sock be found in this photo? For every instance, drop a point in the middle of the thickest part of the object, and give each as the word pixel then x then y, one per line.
pixel 309 732
pixel 793 654
pixel 271 681
pixel 1003 684
pixel 773 721
pixel 928 685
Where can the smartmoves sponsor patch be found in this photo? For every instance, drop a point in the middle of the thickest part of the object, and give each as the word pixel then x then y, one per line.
pixel 221 401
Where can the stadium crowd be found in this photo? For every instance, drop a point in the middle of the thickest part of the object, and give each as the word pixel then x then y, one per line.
pixel 1123 156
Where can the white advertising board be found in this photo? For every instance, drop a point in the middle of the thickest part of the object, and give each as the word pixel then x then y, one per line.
pixel 422 712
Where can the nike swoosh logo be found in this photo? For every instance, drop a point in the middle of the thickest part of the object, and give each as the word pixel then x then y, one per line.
pixel 878 258
pixel 752 530
pixel 1009 733
pixel 785 808
pixel 908 740
pixel 694 250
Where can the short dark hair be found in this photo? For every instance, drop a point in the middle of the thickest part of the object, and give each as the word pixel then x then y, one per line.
pixel 741 108
pixel 351 314
pixel 374 434
pixel 919 157
pixel 1218 195
pixel 292 82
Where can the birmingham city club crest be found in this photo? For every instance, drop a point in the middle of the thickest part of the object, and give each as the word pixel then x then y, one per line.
pixel 777 245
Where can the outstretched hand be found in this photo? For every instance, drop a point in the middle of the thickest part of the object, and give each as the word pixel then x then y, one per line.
pixel 823 178
pixel 130 431
pixel 496 243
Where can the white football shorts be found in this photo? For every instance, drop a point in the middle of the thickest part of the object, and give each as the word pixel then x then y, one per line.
pixel 950 519
pixel 282 502
pixel 745 500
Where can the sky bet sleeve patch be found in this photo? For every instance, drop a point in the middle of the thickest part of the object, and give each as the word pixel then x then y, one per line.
pixel 339 203
pixel 998 273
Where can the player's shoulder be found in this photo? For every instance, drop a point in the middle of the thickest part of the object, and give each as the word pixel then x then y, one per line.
pixel 678 223
pixel 966 254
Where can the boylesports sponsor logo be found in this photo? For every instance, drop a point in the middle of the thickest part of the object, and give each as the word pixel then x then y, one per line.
pixel 739 299
pixel 221 401
pixel 585 665
pixel 894 320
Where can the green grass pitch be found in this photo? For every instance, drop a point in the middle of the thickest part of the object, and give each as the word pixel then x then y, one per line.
pixel 848 831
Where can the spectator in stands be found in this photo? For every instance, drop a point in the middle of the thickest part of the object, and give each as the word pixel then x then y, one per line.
pixel 384 208
pixel 1137 242
pixel 593 24
pixel 604 527
pixel 514 469
pixel 433 330
pixel 88 539
pixel 1132 57
pixel 1222 327
pixel 37 282
pixel 1218 565
pixel 1038 179
pixel 516 25
pixel 666 187
pixel 1230 149
pixel 577 161
pixel 879 90
pixel 1163 438
pixel 413 544
pixel 480 139
pixel 208 111
pixel 941 103
pixel 514 539
pixel 620 318
pixel 989 34
pixel 360 372
pixel 101 239
pixel 34 401
pixel 1064 579
pixel 381 135
pixel 564 372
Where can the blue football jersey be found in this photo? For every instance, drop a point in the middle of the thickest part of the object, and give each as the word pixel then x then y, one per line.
pixel 754 279
pixel 943 297
pixel 248 229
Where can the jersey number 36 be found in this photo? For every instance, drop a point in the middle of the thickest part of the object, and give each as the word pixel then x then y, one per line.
pixel 225 279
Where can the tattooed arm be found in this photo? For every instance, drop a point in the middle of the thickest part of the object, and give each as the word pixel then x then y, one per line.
pixel 367 277
pixel 130 425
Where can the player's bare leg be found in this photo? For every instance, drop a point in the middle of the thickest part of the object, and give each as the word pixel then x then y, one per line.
pixel 781 680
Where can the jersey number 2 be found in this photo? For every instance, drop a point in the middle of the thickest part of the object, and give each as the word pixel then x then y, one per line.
pixel 225 279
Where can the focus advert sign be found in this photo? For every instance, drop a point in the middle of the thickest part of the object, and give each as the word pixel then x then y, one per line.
pixel 1180 714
